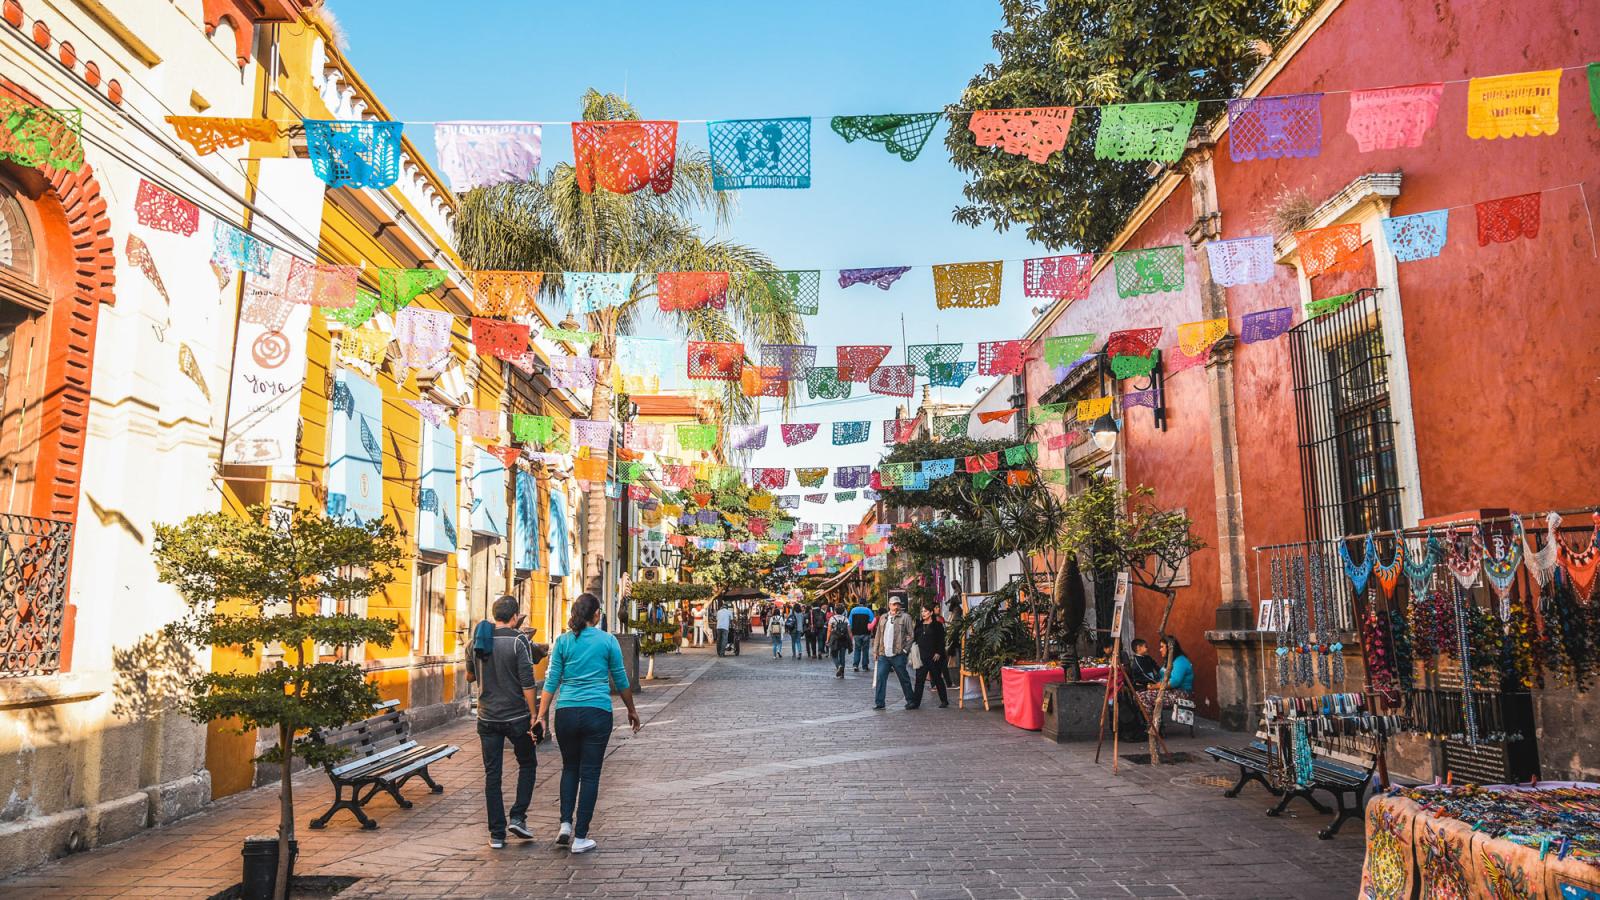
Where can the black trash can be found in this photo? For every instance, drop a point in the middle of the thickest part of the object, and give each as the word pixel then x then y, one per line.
pixel 261 867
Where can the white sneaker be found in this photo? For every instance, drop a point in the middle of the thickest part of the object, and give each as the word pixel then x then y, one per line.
pixel 564 836
pixel 582 845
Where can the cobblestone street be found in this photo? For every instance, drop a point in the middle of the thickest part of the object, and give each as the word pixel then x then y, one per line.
pixel 761 777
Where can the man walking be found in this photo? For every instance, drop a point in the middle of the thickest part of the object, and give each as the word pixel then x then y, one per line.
pixel 796 622
pixel 838 639
pixel 861 634
pixel 891 642
pixel 725 629
pixel 816 620
pixel 505 713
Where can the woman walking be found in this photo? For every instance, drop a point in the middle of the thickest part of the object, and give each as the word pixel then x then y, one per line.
pixel 775 631
pixel 584 665
pixel 929 638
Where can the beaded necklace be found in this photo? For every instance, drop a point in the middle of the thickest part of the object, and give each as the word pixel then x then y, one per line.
pixel 1358 575
pixel 1580 564
pixel 1464 648
pixel 1388 576
pixel 1322 607
pixel 1542 563
pixel 1501 568
pixel 1301 635
pixel 1466 557
pixel 1282 652
pixel 1420 571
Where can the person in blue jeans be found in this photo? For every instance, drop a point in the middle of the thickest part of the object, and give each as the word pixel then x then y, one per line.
pixel 775 631
pixel 584 664
pixel 891 644
pixel 502 659
pixel 795 624
pixel 861 617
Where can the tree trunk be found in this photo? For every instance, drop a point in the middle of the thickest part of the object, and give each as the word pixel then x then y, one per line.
pixel 600 398
pixel 280 888
pixel 1161 689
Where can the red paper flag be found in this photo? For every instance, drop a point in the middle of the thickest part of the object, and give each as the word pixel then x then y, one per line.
pixel 996 415
pixel 691 290
pixel 858 362
pixel 1323 249
pixel 502 340
pixel 983 462
pixel 715 360
pixel 623 157
pixel 1507 219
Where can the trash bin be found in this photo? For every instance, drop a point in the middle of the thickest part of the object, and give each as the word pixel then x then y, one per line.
pixel 261 866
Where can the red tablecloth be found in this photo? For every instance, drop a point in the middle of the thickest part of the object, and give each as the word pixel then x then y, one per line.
pixel 1023 692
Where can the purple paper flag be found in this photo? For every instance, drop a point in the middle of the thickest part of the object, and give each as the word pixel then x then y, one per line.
pixel 882 276
pixel 1265 325
pixel 480 154
pixel 1270 127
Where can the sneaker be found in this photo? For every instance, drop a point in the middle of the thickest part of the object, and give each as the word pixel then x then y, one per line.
pixel 564 836
pixel 497 843
pixel 839 672
pixel 519 829
pixel 877 707
pixel 582 845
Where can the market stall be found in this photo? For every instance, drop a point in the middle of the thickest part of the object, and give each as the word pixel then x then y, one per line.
pixel 1022 690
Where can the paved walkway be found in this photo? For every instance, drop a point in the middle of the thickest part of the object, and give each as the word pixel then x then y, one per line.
pixel 760 777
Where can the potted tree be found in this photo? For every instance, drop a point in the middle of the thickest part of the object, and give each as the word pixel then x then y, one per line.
pixel 657 622
pixel 264 580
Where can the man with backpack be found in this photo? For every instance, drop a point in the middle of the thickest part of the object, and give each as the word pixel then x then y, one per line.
pixel 816 621
pixel 838 640
pixel 861 617
pixel 504 672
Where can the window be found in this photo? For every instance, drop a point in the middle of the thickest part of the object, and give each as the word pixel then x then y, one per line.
pixel 23 344
pixel 16 237
pixel 427 635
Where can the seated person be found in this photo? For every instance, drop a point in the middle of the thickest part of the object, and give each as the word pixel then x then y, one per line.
pixel 1142 669
pixel 1178 676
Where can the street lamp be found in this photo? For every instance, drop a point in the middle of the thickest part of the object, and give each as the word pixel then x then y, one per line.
pixel 1104 431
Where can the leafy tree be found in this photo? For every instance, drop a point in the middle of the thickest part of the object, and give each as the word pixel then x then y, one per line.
pixel 260 580
pixel 961 533
pixel 1096 52
pixel 658 620
pixel 549 225
pixel 732 567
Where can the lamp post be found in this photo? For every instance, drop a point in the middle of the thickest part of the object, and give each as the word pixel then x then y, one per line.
pixel 1104 432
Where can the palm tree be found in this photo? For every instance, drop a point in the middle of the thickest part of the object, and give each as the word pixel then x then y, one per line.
pixel 550 225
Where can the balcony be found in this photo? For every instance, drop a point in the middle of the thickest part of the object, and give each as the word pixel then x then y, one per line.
pixel 33 594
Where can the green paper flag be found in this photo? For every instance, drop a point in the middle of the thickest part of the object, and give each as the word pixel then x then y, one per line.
pixel 922 356
pixel 1022 453
pixel 532 429
pixel 981 480
pixel 1151 271
pixel 354 316
pixel 398 287
pixel 570 336
pixel 1153 131
pixel 1594 91
pixel 1327 305
pixel 1051 412
pixel 1066 349
pixel 951 426
pixel 1133 366
pixel 900 134
pixel 697 437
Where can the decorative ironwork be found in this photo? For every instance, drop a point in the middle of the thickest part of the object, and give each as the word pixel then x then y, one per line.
pixel 33 593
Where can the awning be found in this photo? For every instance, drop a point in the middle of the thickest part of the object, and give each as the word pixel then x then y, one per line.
pixel 838 580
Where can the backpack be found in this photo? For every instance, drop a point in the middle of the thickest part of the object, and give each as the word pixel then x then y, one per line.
pixel 841 631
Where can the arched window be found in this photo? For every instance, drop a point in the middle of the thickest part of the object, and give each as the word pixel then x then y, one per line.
pixel 16 236
pixel 23 300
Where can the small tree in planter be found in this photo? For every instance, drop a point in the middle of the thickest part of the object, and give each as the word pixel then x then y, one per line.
pixel 261 580
pixel 661 634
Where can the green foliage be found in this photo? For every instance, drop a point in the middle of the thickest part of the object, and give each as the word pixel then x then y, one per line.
pixel 995 634
pixel 954 495
pixel 669 592
pixel 656 635
pixel 1077 52
pixel 946 539
pixel 1113 528
pixel 732 568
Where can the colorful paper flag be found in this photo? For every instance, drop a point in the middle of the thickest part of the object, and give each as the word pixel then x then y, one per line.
pixel 715 360
pixel 1153 270
pixel 857 362
pixel 967 285
pixel 1526 104
pixel 1265 325
pixel 1060 277
pixel 588 292
pixel 760 153
pixel 1245 260
pixel 624 156
pixel 1323 249
pixel 903 134
pixel 679 291
pixel 1065 349
pixel 159 208
pixel 951 374
pixel 1508 218
pixel 824 383
pixel 483 154
pixel 798 433
pixel 1282 125
pixel 1003 357
pixel 502 340
pixel 1034 132
pixel 850 432
pixel 881 277
pixel 1417 236
pixel 1144 131
pixel 1195 338
pixel 357 154
pixel 892 381
pixel 1390 118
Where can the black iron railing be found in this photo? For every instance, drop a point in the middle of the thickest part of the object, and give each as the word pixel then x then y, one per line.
pixel 33 593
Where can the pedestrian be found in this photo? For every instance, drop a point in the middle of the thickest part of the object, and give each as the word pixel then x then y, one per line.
pixel 891 642
pixel 505 713
pixel 702 632
pixel 861 634
pixel 724 620
pixel 816 621
pixel 930 640
pixel 775 632
pixel 685 623
pixel 584 665
pixel 839 639
pixel 795 622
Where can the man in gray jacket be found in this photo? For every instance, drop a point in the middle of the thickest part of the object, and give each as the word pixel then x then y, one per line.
pixel 891 641
pixel 505 713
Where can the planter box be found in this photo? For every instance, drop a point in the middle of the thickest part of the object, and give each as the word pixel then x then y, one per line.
pixel 1072 710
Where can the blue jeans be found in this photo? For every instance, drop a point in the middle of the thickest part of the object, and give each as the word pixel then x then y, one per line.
pixel 898 664
pixel 795 638
pixel 860 659
pixel 839 652
pixel 777 645
pixel 582 733
pixel 492 737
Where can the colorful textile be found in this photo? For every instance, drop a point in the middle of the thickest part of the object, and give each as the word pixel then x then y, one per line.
pixel 797 433
pixel 1021 454
pixel 354 154
pixel 502 340
pixel 208 134
pixel 892 381
pixel 789 291
pixel 1178 361
pixel 747 437
pixel 851 432
pixel 1145 397
pixel 423 336
pixel 639 362
pixel 715 360
pixel 1418 236
pixel 398 287
pixel 1019 477
pixel 1003 357
pixel 1152 270
pixel 590 468
pixel 644 436
pixel 138 256
pixel 951 426
pixel 483 154
pixel 934 469
pixel 1526 104
pixel 1246 260
pixel 1132 366
pixel 857 362
pixel 1060 277
pixel 592 433
pixel 622 157
pixel 921 356
pixel 575 373
pixel 1265 325
pixel 435 414
pixel 1133 342
pixel 1195 338
pixel 1274 127
pixel 967 285
pixel 1391 118
pixel 1322 307
pixel 1035 132
pixel 1050 412
pixel 364 345
pixel 1508 218
pixel 951 374
pixel 505 294
pixel 843 496
pixel 1090 410
pixel 480 423
pixel 163 210
pixel 588 292
pixel 236 249
pixel 816 498
pixel 763 381
pixel 1323 249
pixel 570 335
pixel 902 134
pixel 1065 349
pixel 899 431
pixel 697 437
pixel 678 291
pixel 824 383
pixel 851 476
pixel 533 429
pixel 1136 131
pixel 790 360
pixel 760 153
pixel 982 462
pixel 881 277
pixel 770 478
pixel 33 136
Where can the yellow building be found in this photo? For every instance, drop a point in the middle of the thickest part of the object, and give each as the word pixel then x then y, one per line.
pixel 384 433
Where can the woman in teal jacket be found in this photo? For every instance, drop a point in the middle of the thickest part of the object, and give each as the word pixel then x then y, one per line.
pixel 1177 676
pixel 584 664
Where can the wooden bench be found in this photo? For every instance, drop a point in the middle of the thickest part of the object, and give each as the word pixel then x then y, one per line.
pixel 381 756
pixel 1340 774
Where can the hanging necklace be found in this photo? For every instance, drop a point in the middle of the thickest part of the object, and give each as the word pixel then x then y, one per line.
pixel 1542 564
pixel 1501 568
pixel 1464 648
pixel 1580 564
pixel 1282 650
pixel 1466 557
pixel 1419 571
pixel 1388 576
pixel 1358 575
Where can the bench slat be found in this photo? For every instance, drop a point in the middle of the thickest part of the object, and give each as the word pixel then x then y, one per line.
pixel 371 759
pixel 428 758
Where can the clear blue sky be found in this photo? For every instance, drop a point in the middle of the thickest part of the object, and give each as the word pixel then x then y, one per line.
pixel 496 59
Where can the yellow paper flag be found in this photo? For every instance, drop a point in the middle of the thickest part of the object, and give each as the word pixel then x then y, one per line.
pixel 1522 105
pixel 1089 410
